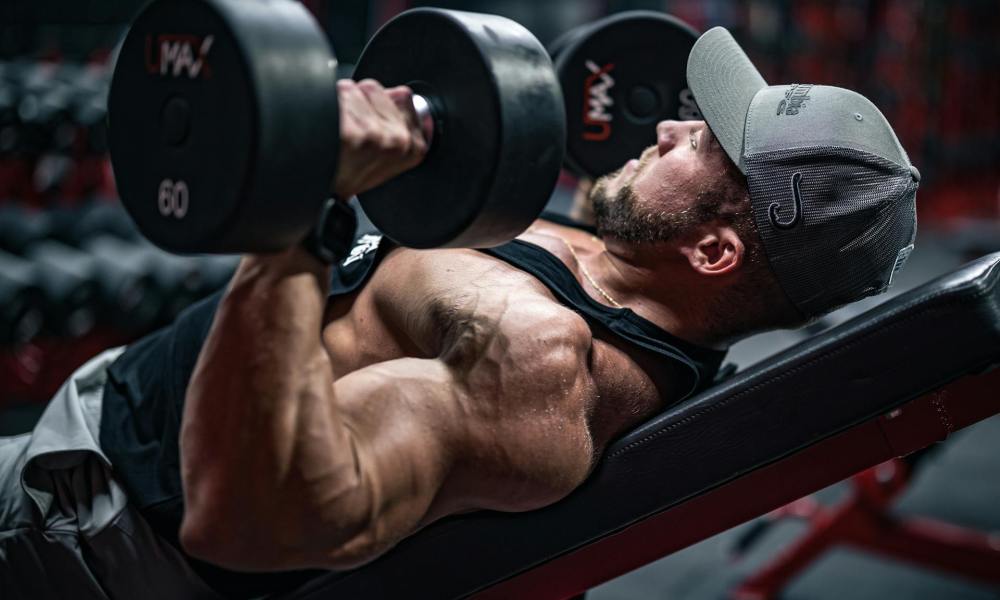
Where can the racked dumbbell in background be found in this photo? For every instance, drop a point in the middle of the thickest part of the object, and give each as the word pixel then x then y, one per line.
pixel 46 132
pixel 102 230
pixel 20 227
pixel 39 107
pixel 8 111
pixel 21 299
pixel 69 301
pixel 128 300
pixel 180 280
pixel 74 225
pixel 51 111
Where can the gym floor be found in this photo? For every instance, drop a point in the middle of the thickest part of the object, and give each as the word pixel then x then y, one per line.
pixel 959 484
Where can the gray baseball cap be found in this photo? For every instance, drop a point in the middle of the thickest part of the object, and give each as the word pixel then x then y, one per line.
pixel 832 190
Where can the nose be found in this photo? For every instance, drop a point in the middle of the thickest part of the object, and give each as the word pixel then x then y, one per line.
pixel 666 136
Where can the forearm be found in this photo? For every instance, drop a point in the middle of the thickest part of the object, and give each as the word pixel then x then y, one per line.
pixel 259 427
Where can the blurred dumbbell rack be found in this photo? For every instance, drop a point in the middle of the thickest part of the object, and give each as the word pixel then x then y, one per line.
pixel 75 276
pixel 76 279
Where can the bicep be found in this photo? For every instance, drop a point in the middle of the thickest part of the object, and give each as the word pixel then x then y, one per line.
pixel 400 418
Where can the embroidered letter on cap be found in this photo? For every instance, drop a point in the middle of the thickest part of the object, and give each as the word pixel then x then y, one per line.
pixel 796 208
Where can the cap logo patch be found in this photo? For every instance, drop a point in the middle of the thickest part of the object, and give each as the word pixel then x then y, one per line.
pixel 795 99
pixel 772 211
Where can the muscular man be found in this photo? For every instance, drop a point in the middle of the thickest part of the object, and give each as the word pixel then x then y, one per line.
pixel 313 416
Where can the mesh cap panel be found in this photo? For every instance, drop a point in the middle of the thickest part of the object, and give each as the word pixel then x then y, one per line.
pixel 835 222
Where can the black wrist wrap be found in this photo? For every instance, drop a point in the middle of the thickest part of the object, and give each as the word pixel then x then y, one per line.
pixel 332 237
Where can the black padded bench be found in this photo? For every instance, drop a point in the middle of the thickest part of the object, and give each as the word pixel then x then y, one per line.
pixel 891 381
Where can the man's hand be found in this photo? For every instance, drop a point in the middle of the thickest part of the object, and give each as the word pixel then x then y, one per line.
pixel 380 135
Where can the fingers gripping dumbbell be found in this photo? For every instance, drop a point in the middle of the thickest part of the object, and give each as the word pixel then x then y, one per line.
pixel 224 125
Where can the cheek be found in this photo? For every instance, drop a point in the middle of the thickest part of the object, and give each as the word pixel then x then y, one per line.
pixel 662 183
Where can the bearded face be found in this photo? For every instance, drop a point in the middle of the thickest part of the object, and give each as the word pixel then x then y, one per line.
pixel 619 212
pixel 682 182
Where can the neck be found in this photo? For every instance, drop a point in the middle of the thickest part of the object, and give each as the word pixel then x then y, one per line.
pixel 656 282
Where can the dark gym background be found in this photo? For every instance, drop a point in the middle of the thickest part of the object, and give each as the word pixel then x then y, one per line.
pixel 75 278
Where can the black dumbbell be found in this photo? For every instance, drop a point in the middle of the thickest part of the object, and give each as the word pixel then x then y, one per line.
pixel 21 300
pixel 128 297
pixel 178 279
pixel 620 76
pixel 147 304
pixel 90 114
pixel 74 225
pixel 72 293
pixel 224 126
pixel 20 228
pixel 9 95
pixel 44 110
pixel 88 105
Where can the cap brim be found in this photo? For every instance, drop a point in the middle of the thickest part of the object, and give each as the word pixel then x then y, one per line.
pixel 723 82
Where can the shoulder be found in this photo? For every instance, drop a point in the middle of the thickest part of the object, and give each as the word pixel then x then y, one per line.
pixel 526 338
pixel 528 395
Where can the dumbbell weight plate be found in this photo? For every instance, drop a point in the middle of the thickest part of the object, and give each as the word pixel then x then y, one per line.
pixel 563 41
pixel 224 125
pixel 498 135
pixel 641 62
pixel 555 49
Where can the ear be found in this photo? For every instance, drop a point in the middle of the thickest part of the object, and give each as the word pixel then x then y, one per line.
pixel 717 250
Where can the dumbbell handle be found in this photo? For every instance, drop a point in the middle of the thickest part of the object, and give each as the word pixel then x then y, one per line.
pixel 424 116
pixel 333 234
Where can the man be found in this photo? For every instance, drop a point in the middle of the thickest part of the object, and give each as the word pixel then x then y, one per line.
pixel 312 417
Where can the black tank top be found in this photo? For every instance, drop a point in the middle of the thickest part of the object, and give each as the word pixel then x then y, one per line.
pixel 144 396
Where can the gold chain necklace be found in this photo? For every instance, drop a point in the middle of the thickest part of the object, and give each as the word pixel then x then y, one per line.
pixel 583 269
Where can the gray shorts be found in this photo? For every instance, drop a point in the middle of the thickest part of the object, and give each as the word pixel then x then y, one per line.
pixel 67 529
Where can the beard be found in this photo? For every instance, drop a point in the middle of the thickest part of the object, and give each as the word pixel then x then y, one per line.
pixel 622 216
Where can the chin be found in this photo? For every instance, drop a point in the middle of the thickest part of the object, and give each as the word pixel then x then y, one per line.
pixel 619 214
